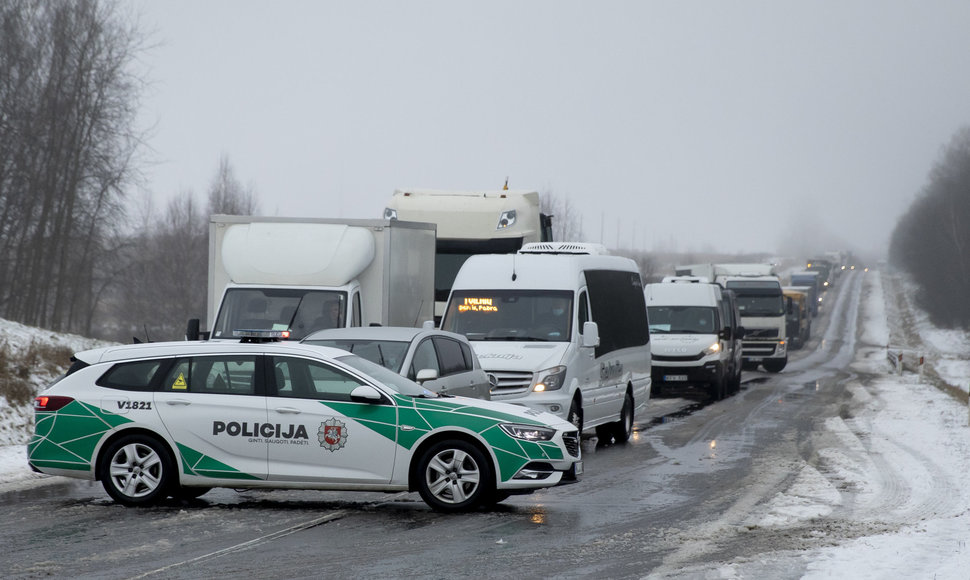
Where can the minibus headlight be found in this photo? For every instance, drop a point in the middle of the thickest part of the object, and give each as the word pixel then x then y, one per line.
pixel 550 379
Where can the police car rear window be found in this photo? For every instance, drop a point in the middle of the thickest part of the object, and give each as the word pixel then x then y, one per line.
pixel 130 376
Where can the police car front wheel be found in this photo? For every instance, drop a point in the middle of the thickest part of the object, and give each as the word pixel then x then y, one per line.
pixel 454 476
pixel 137 470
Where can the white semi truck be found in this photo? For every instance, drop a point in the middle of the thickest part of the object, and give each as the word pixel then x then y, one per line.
pixel 762 307
pixel 303 274
pixel 470 223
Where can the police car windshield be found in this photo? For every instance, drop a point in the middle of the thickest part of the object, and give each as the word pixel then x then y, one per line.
pixel 388 378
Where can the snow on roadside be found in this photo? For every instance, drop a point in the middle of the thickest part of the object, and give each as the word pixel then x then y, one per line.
pixel 16 420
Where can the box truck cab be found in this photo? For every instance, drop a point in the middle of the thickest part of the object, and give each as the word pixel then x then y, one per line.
pixel 563 328
pixel 691 338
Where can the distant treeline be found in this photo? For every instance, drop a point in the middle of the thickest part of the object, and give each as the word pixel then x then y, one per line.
pixel 931 242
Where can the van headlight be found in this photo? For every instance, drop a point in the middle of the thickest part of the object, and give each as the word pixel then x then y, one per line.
pixel 528 432
pixel 550 379
pixel 713 349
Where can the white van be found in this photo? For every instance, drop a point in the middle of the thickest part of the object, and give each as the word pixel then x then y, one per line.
pixel 691 338
pixel 563 328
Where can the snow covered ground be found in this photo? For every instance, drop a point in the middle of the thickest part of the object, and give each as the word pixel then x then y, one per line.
pixel 888 495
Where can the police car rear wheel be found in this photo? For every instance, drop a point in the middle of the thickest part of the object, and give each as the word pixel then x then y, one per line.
pixel 137 470
pixel 454 476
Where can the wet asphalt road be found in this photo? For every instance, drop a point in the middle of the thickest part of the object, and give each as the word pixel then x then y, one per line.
pixel 676 494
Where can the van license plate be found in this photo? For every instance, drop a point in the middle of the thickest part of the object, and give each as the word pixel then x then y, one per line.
pixel 674 378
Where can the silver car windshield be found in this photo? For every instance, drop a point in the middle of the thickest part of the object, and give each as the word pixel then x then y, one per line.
pixel 386 377
pixel 387 353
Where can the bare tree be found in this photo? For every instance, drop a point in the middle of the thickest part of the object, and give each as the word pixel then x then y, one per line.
pixel 228 196
pixel 67 146
pixel 932 240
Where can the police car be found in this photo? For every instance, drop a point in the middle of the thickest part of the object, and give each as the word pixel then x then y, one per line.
pixel 176 419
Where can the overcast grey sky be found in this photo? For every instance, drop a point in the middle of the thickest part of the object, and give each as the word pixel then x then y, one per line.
pixel 730 125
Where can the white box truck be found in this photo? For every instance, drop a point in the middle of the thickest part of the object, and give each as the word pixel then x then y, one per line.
pixel 563 328
pixel 470 223
pixel 303 274
pixel 762 307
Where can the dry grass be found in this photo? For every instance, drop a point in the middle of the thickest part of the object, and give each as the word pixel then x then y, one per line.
pixel 16 369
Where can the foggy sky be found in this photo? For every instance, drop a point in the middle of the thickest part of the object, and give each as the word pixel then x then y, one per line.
pixel 730 126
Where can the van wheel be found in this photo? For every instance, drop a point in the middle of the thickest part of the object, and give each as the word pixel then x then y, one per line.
pixel 575 415
pixel 775 365
pixel 623 429
pixel 136 470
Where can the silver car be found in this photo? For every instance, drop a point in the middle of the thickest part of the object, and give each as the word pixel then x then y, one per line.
pixel 443 362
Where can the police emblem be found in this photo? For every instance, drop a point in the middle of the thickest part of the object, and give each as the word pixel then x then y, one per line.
pixel 332 434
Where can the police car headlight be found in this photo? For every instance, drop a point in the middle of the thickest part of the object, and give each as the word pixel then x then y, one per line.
pixel 713 349
pixel 550 379
pixel 528 432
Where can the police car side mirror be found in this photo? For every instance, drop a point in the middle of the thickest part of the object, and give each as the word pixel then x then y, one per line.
pixel 366 394
pixel 591 334
pixel 426 375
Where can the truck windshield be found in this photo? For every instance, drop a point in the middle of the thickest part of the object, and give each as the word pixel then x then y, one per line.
pixel 756 305
pixel 542 315
pixel 301 311
pixel 682 319
pixel 451 254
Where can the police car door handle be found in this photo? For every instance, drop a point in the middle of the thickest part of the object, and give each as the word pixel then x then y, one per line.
pixel 178 402
pixel 288 410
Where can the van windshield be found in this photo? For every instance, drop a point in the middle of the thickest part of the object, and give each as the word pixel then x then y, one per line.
pixel 536 315
pixel 682 319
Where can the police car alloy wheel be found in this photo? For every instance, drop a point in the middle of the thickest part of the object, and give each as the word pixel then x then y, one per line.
pixel 136 470
pixel 454 476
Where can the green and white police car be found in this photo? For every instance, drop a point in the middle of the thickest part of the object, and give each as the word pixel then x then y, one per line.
pixel 177 419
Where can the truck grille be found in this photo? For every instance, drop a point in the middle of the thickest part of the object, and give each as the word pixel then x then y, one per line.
pixel 691 358
pixel 571 441
pixel 760 333
pixel 511 382
pixel 757 348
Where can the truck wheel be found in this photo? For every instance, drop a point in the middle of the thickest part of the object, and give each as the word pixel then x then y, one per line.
pixel 136 470
pixel 454 476
pixel 775 365
pixel 717 388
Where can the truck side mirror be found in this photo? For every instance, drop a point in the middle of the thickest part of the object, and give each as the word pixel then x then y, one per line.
pixel 591 334
pixel 739 332
pixel 192 329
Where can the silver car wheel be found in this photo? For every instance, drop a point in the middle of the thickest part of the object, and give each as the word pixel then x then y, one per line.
pixel 136 470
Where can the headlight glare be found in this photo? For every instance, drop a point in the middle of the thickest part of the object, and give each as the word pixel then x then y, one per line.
pixel 528 432
pixel 550 379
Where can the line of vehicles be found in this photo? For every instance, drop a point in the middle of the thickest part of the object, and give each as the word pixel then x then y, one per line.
pixel 375 323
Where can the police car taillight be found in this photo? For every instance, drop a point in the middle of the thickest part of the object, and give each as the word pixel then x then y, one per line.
pixel 51 402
